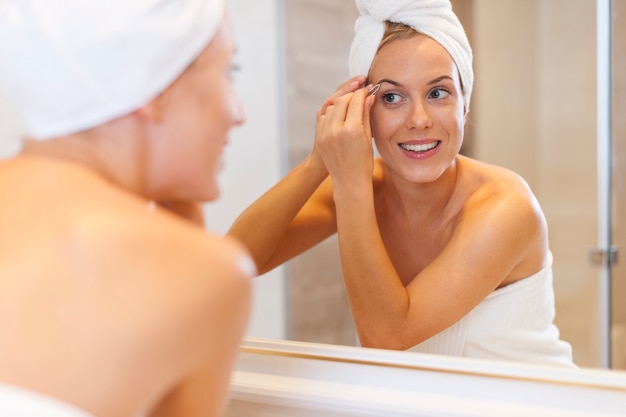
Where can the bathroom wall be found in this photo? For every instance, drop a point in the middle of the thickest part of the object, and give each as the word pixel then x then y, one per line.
pixel 11 127
pixel 318 39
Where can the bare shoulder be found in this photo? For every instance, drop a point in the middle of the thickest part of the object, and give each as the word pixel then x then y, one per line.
pixel 140 297
pixel 85 227
pixel 158 244
pixel 495 185
pixel 500 209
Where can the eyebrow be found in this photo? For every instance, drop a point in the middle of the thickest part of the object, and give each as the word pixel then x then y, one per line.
pixel 397 84
pixel 386 80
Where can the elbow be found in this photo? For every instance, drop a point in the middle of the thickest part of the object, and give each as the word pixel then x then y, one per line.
pixel 387 340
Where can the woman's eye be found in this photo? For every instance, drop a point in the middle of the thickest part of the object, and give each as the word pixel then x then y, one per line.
pixel 232 70
pixel 439 93
pixel 391 98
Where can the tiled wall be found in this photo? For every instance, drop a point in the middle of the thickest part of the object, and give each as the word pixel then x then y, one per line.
pixel 318 36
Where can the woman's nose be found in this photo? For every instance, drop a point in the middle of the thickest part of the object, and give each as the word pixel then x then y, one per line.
pixel 238 112
pixel 420 117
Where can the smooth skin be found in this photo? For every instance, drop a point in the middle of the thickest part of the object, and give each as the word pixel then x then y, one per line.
pixel 423 236
pixel 111 304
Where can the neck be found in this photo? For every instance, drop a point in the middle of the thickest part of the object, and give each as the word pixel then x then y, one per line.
pixel 113 151
pixel 421 202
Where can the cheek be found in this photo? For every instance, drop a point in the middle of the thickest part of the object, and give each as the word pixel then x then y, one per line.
pixel 457 122
pixel 450 118
pixel 223 110
pixel 384 122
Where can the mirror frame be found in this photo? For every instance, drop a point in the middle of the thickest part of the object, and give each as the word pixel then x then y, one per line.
pixel 286 378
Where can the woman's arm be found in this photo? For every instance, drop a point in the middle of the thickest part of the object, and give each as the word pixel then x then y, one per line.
pixel 492 239
pixel 291 217
pixel 297 213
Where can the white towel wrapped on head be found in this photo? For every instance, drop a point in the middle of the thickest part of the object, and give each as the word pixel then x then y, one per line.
pixel 433 18
pixel 71 65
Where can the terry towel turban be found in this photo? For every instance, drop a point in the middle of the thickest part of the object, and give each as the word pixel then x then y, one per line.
pixel 71 65
pixel 433 18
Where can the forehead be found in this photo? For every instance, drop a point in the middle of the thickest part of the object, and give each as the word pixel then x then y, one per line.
pixel 221 47
pixel 418 54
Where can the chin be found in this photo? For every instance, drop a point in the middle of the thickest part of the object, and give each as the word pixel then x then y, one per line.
pixel 211 194
pixel 199 193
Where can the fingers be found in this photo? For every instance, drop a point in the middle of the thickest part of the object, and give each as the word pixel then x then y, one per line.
pixel 367 122
pixel 354 108
pixel 347 117
pixel 349 86
pixel 338 112
pixel 358 113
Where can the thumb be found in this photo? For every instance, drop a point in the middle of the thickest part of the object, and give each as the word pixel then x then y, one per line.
pixel 367 108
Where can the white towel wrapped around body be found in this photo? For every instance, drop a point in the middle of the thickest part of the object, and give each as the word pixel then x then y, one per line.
pixel 514 323
pixel 21 402
pixel 71 65
pixel 433 18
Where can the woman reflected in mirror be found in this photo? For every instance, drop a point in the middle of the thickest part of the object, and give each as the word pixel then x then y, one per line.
pixel 440 253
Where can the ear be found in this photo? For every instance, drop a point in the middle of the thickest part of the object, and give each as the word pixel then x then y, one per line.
pixel 154 110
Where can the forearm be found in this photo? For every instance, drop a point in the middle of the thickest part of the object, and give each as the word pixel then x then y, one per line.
pixel 378 299
pixel 264 224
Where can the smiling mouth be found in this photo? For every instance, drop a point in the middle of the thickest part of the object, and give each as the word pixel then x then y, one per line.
pixel 421 147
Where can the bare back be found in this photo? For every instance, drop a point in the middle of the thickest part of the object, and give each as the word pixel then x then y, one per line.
pixel 108 298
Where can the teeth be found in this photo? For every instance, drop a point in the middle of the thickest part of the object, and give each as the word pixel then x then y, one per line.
pixel 419 148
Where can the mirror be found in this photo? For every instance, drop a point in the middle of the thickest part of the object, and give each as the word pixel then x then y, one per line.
pixel 533 111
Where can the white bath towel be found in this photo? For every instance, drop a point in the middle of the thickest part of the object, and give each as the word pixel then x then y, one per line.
pixel 514 323
pixel 434 18
pixel 18 402
pixel 74 64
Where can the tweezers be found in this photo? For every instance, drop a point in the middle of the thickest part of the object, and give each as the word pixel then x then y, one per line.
pixel 373 90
